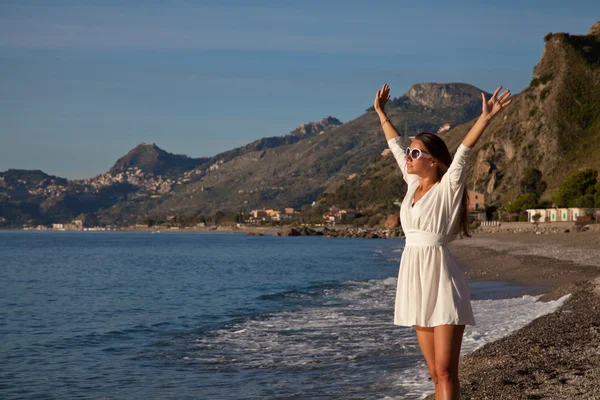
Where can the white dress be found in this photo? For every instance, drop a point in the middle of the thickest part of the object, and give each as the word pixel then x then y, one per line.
pixel 432 288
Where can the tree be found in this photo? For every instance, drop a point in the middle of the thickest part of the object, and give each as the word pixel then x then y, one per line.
pixel 218 216
pixel 527 201
pixel 532 182
pixel 585 201
pixel 577 185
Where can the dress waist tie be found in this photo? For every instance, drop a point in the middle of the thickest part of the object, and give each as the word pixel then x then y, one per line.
pixel 422 238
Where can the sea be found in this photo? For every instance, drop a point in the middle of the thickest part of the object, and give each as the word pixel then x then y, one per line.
pixel 123 315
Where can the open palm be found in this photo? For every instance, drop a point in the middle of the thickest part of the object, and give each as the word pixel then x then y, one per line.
pixel 381 97
pixel 496 103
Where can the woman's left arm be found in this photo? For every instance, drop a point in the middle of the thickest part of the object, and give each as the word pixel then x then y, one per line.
pixel 489 109
pixel 456 171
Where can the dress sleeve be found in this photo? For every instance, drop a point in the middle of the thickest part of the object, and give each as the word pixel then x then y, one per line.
pixel 395 145
pixel 456 172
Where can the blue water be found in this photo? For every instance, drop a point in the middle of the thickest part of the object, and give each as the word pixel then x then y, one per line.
pixel 113 315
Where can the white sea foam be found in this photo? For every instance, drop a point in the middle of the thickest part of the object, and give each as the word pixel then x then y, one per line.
pixel 495 319
pixel 353 325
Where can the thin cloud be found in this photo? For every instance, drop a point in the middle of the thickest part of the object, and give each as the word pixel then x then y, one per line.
pixel 337 30
pixel 83 28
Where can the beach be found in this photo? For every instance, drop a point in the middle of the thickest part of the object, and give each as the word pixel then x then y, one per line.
pixel 556 356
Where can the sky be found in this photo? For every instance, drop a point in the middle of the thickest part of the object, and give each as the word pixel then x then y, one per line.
pixel 83 82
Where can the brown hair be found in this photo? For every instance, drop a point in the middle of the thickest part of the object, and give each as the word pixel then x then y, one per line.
pixel 438 149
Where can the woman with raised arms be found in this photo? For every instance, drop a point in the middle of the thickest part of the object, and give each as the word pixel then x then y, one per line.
pixel 432 293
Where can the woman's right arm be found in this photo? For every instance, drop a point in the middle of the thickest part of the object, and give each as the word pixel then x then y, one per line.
pixel 394 139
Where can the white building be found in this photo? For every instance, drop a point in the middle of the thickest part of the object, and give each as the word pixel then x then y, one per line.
pixel 557 214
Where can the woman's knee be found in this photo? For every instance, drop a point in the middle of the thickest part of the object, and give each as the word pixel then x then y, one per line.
pixel 433 375
pixel 445 373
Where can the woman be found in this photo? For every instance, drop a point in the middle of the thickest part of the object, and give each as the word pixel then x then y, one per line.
pixel 432 293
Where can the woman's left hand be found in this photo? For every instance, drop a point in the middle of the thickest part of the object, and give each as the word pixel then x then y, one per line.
pixel 494 105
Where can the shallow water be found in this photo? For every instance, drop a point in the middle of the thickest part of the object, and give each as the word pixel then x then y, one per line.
pixel 113 315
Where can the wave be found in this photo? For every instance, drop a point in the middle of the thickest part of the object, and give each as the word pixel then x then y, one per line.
pixel 348 330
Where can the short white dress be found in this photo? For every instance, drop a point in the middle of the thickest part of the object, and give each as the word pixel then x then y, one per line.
pixel 432 289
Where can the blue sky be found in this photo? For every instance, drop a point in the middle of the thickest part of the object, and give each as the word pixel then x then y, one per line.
pixel 83 82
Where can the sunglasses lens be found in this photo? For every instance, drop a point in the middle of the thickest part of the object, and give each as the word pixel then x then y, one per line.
pixel 415 153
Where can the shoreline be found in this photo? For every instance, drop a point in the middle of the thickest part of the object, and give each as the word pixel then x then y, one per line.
pixel 343 231
pixel 557 355
pixel 513 258
pixel 554 356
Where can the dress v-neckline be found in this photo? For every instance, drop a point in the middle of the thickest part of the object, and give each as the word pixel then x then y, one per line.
pixel 413 203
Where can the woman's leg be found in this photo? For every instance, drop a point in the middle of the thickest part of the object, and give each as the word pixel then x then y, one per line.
pixel 447 341
pixel 425 338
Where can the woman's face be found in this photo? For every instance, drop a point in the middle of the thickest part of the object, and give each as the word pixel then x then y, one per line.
pixel 422 166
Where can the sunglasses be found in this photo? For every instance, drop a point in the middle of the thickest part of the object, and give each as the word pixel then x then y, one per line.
pixel 415 154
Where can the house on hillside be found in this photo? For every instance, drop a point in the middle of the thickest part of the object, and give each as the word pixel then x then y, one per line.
pixel 476 206
pixel 476 201
pixel 259 214
pixel 337 215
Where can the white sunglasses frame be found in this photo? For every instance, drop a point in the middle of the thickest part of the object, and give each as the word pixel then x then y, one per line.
pixel 420 153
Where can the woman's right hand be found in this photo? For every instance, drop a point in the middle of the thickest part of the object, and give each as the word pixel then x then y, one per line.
pixel 382 97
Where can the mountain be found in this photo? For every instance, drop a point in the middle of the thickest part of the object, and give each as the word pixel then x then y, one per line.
pixel 294 173
pixel 432 107
pixel 373 190
pixel 315 127
pixel 553 126
pixel 28 177
pixel 150 158
pixel 442 95
pixel 281 171
pixel 302 131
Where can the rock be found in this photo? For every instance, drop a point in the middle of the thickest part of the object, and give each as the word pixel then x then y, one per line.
pixel 349 232
pixel 299 231
pixel 314 127
pixel 595 29
pixel 392 221
pixel 438 95
pixel 305 231
pixel 290 231
pixel 254 234
pixel 330 232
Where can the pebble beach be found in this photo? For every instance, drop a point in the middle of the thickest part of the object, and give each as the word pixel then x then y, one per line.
pixel 556 356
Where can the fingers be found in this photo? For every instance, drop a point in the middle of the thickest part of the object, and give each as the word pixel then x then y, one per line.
pixel 483 97
pixel 383 93
pixel 507 103
pixel 504 96
pixel 496 92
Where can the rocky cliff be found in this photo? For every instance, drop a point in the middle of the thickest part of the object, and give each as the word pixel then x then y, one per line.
pixel 553 125
pixel 316 127
pixel 443 95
